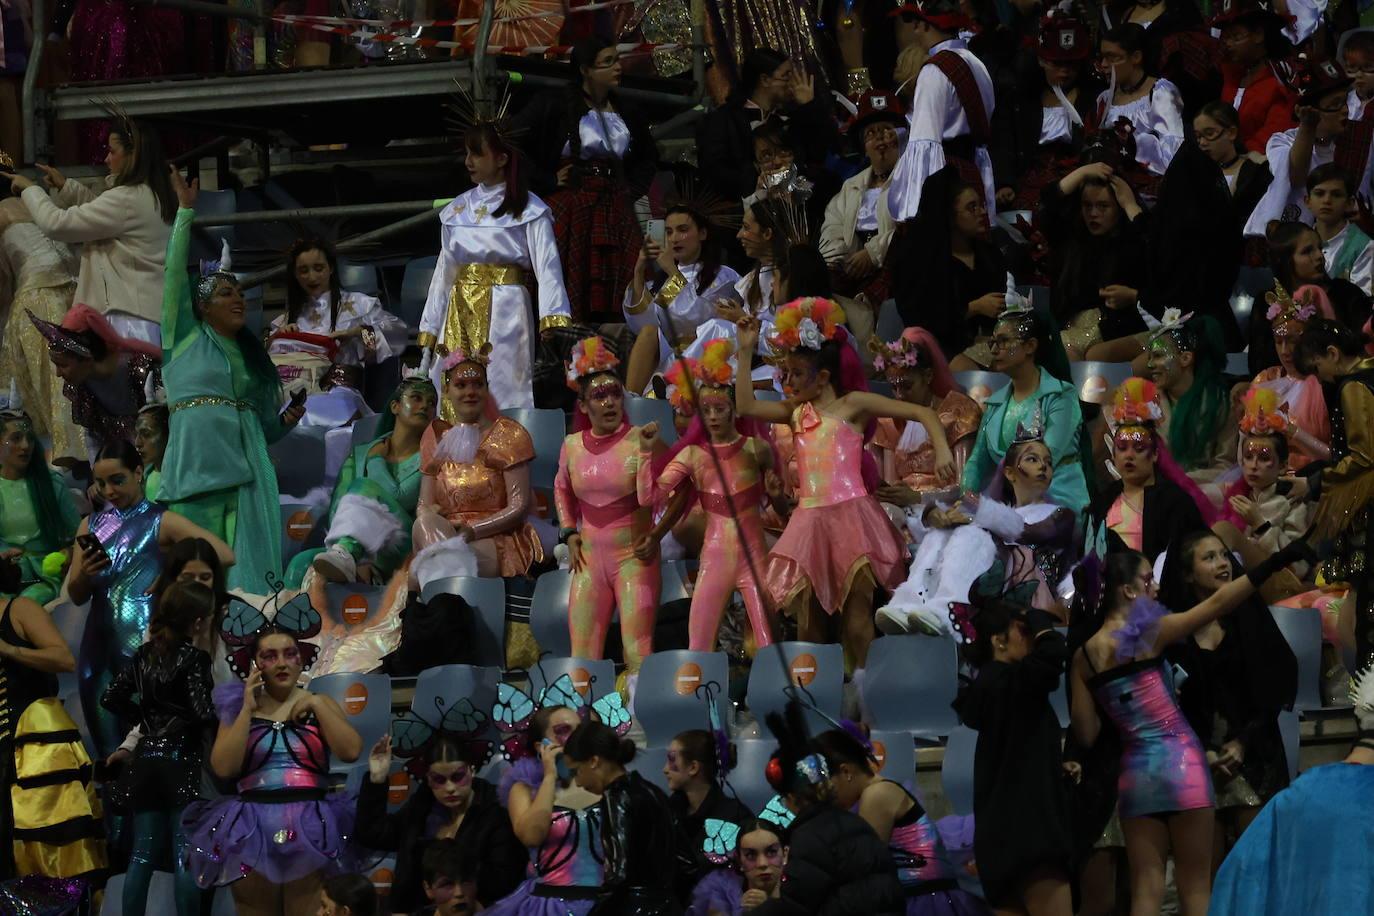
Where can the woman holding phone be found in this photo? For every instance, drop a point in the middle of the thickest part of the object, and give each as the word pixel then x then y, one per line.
pixel 115 564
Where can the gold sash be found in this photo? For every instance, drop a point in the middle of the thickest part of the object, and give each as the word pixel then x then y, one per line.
pixel 468 324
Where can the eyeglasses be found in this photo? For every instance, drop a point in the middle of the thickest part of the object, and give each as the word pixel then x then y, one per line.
pixel 1210 136
pixel 880 132
pixel 998 344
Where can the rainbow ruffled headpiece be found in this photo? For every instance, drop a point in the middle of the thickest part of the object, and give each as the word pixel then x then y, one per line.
pixel 1136 403
pixel 679 392
pixel 590 356
pixel 807 323
pixel 714 369
pixel 1262 415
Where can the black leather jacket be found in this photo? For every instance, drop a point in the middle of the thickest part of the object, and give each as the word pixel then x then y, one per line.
pixel 643 850
pixel 167 695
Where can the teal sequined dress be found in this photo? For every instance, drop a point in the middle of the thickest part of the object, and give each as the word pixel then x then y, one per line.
pixel 216 471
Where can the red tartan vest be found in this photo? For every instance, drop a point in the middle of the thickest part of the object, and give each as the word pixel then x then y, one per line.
pixel 1352 147
pixel 960 76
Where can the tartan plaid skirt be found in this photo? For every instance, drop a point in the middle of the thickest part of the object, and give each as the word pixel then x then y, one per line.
pixel 598 241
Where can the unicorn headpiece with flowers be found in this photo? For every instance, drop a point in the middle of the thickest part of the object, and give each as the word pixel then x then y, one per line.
pixel 679 391
pixel 1136 403
pixel 899 353
pixel 589 357
pixel 477 360
pixel 807 324
pixel 1017 308
pixel 1263 415
pixel 211 272
pixel 1175 325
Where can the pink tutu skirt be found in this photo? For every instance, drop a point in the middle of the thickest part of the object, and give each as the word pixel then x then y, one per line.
pixel 824 547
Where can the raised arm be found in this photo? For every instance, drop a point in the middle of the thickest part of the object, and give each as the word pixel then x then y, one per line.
pixel 869 405
pixel 177 527
pixel 231 742
pixel 746 405
pixel 178 312
pixel 343 739
pixel 1173 627
pixel 105 217
pixel 531 812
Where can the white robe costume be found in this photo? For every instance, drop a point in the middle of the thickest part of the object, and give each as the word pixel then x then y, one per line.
pixel 479 293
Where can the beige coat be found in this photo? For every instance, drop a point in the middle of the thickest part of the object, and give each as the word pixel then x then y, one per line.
pixel 123 244
pixel 837 232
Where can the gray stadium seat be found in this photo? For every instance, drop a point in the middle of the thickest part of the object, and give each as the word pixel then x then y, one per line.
pixel 747 778
pixel 910 682
pixel 1097 381
pixel 1302 627
pixel 978 384
pixel 819 668
pixel 549 612
pixel 597 676
pixel 956 772
pixel 366 702
pixel 488 597
pixel 667 700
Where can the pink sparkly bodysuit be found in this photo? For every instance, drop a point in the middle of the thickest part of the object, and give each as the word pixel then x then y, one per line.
pixel 596 485
pixel 724 564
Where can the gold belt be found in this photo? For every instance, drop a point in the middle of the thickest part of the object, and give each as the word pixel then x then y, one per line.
pixel 206 400
pixel 468 324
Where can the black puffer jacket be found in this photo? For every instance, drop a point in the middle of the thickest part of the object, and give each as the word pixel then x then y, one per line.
pixel 485 835
pixel 836 866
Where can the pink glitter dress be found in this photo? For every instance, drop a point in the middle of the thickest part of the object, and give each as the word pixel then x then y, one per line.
pixel 838 526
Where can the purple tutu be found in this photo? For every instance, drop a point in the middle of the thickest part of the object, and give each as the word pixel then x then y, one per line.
pixel 228 838
pixel 953 902
pixel 523 901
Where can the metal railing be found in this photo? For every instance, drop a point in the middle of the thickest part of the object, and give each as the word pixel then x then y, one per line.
pixel 37 109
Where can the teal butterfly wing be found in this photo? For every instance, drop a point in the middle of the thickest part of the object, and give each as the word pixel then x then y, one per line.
pixel 241 622
pixel 514 708
pixel 299 617
pixel 611 710
pixel 777 812
pixel 462 718
pixel 722 837
pixel 562 693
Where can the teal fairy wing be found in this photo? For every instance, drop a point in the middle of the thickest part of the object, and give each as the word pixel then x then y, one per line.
pixel 410 734
pixel 562 693
pixel 298 617
pixel 611 710
pixel 514 708
pixel 777 812
pixel 722 837
pixel 241 622
pixel 462 718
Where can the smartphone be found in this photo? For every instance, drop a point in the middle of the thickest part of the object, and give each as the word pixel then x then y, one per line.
pixel 655 231
pixel 90 544
pixel 297 398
